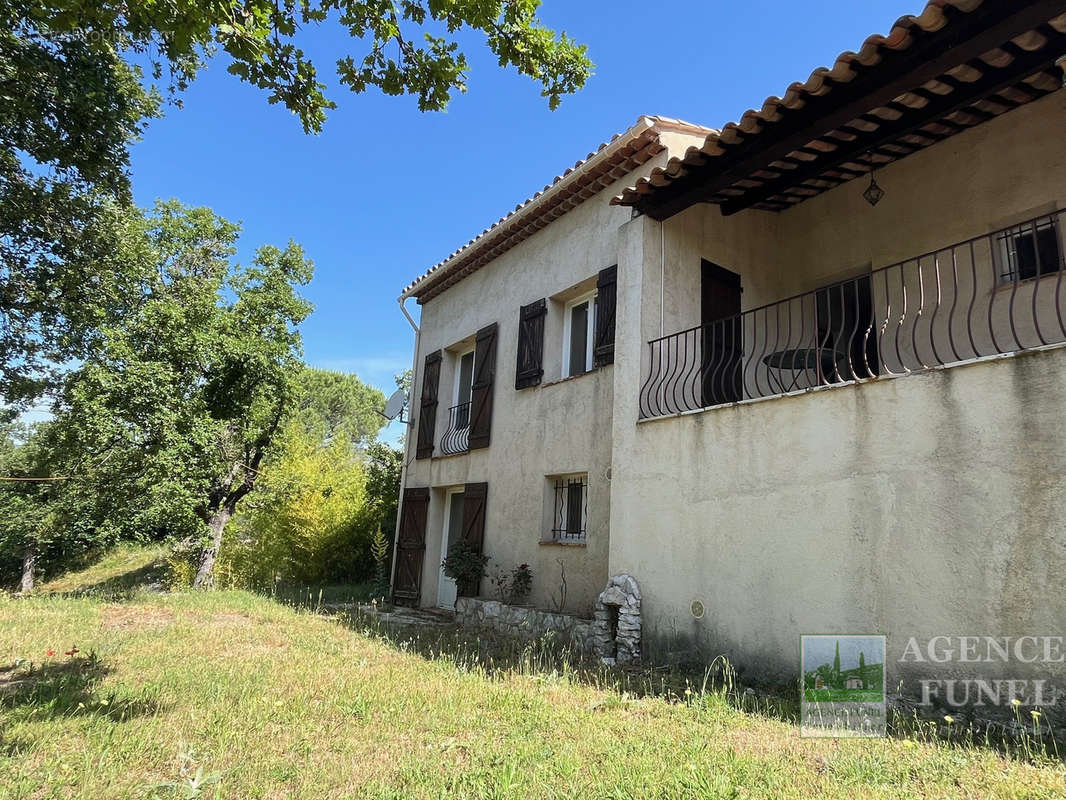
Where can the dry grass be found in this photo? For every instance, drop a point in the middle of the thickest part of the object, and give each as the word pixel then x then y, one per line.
pixel 268 702
pixel 123 570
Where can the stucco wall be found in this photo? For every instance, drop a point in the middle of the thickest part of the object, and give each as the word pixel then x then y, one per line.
pixel 560 427
pixel 979 181
pixel 918 506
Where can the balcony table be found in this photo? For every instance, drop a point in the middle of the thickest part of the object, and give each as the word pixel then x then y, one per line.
pixel 798 360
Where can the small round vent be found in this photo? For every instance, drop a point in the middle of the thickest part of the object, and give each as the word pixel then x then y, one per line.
pixel 697 609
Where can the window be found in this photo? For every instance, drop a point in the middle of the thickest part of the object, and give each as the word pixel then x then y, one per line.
pixel 464 381
pixel 570 508
pixel 473 365
pixel 456 438
pixel 1028 251
pixel 579 324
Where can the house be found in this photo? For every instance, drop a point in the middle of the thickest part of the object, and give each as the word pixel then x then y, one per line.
pixel 803 373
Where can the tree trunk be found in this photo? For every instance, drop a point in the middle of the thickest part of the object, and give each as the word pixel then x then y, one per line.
pixel 205 575
pixel 29 568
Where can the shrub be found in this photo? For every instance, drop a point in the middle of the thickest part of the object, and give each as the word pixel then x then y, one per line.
pixel 466 566
pixel 514 586
pixel 521 583
pixel 379 549
pixel 305 523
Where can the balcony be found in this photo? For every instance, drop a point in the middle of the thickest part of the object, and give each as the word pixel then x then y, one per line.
pixel 994 294
pixel 456 438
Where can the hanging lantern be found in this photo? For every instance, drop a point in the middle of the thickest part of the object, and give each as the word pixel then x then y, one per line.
pixel 874 192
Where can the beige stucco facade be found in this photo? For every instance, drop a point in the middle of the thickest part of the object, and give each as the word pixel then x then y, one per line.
pixel 559 428
pixel 925 505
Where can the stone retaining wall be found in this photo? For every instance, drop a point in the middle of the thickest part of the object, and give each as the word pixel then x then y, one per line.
pixel 528 623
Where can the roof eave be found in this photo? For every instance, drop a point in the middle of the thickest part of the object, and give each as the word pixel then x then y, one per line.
pixel 645 133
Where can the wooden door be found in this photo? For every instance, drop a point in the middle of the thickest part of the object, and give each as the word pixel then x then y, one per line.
pixel 411 547
pixel 475 498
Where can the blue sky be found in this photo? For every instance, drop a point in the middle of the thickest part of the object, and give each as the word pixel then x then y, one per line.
pixel 385 191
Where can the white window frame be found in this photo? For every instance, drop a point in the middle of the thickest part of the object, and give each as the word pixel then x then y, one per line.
pixel 590 298
pixel 459 356
pixel 446 537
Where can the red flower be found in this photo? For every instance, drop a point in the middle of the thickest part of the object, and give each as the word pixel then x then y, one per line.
pixel 49 653
pixel 72 651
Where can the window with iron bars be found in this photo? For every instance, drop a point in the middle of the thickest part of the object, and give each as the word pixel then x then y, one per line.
pixel 1028 251
pixel 570 518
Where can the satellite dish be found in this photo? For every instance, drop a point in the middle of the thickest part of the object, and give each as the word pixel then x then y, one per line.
pixel 394 407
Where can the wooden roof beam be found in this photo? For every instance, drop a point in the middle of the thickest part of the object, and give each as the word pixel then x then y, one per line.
pixel 966 36
pixel 960 100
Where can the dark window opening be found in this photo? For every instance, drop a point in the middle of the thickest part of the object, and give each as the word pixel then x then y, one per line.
pixel 571 509
pixel 847 335
pixel 1029 251
pixel 722 335
pixel 465 382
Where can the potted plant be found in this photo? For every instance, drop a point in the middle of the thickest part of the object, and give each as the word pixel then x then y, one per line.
pixel 466 566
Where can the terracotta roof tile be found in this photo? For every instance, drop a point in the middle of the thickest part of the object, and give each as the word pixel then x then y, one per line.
pixel 612 160
pixel 934 17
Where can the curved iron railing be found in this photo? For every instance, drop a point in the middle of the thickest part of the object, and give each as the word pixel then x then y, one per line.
pixel 996 293
pixel 456 438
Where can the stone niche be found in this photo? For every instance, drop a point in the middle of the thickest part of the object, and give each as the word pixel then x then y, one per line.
pixel 616 623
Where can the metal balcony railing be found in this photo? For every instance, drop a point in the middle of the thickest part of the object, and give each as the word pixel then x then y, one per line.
pixel 456 438
pixel 996 293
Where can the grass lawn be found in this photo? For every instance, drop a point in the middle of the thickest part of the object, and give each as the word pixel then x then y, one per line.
pixel 263 700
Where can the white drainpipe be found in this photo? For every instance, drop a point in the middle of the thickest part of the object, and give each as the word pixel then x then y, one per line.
pixel 407 439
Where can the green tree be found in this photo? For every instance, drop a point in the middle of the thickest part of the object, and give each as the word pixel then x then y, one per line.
pixel 403 381
pixel 384 465
pixel 339 404
pixel 836 663
pixel 862 669
pixel 401 46
pixel 73 99
pixel 45 511
pixel 25 501
pixel 70 106
pixel 304 523
pixel 176 410
pixel 315 513
pixel 326 489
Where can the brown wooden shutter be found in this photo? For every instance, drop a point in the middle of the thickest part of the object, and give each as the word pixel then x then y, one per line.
pixel 475 496
pixel 481 392
pixel 603 344
pixel 427 414
pixel 530 367
pixel 411 547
